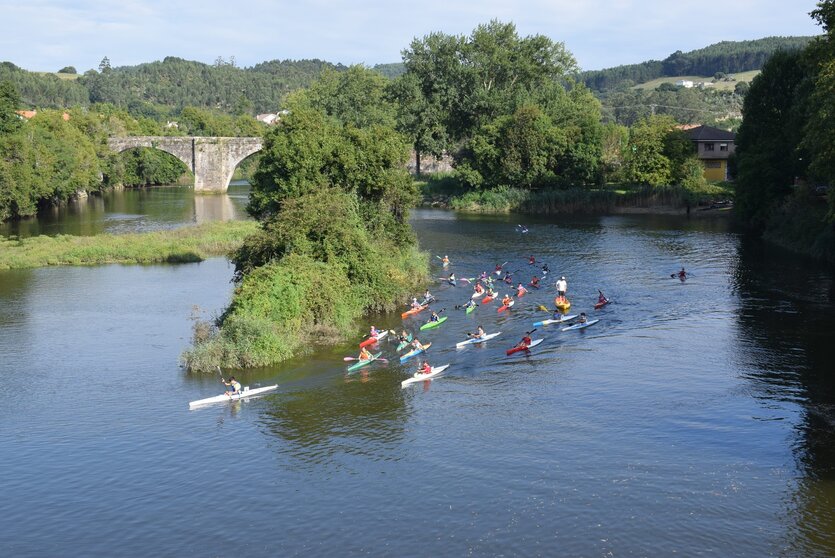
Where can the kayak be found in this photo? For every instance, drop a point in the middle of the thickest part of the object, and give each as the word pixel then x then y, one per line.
pixel 477 294
pixel 562 304
pixel 413 311
pixel 600 305
pixel 534 343
pixel 504 307
pixel 580 326
pixel 534 286
pixel 471 308
pixel 246 392
pixel 373 340
pixel 418 377
pixel 430 325
pixel 520 294
pixel 549 322
pixel 487 299
pixel 426 301
pixel 473 340
pixel 414 352
pixel 360 364
pixel 404 344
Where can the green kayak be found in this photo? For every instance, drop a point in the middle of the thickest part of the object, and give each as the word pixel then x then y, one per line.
pixel 471 308
pixel 430 325
pixel 362 363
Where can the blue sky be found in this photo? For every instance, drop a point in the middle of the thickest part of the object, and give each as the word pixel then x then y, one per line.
pixel 45 35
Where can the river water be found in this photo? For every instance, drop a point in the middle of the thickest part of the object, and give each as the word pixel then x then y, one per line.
pixel 694 419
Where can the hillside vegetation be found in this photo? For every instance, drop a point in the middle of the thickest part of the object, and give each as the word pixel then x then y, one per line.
pixel 728 57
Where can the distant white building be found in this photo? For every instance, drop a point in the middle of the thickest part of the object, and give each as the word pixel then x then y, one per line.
pixel 685 83
pixel 266 118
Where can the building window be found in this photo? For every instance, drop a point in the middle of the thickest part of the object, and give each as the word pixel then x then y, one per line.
pixel 713 164
pixel 708 147
pixel 723 147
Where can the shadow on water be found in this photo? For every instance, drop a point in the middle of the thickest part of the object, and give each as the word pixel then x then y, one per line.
pixel 786 323
pixel 328 417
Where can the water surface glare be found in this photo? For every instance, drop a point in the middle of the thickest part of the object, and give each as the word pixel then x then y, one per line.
pixel 694 419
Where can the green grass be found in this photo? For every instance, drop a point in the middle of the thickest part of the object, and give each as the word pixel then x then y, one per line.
pixel 719 85
pixel 187 244
pixel 59 76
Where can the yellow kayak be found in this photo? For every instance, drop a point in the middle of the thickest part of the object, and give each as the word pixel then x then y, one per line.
pixel 562 304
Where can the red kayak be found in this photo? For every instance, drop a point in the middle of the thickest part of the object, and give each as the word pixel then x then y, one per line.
pixel 504 307
pixel 534 343
pixel 373 340
pixel 487 299
pixel 600 305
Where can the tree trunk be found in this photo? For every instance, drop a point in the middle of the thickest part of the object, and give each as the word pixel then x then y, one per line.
pixel 417 161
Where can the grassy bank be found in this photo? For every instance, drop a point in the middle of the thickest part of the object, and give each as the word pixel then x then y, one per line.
pixel 187 244
pixel 580 200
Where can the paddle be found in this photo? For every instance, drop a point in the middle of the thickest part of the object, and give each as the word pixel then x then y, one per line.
pixel 541 307
pixel 349 359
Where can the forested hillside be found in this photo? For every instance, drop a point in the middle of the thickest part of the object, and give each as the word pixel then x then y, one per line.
pixel 726 57
pixel 155 88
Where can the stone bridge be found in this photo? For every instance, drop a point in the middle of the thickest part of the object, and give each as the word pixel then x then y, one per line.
pixel 212 160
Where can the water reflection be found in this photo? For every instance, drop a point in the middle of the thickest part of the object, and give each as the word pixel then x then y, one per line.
pixel 351 416
pixel 134 210
pixel 787 351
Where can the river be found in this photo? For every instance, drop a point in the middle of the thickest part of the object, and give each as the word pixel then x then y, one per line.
pixel 694 419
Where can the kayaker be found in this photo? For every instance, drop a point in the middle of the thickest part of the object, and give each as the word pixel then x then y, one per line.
pixel 403 337
pixel 415 303
pixel 583 318
pixel 490 292
pixel 416 344
pixel 483 276
pixel 470 304
pixel 479 333
pixel 545 269
pixel 374 332
pixel 506 300
pixel 451 279
pixel 521 290
pixel 535 282
pixel 681 274
pixel 424 368
pixel 365 354
pixel 427 296
pixel 508 279
pixel 531 260
pixel 478 288
pixel 234 385
pixel 445 259
pixel 557 314
pixel 562 287
pixel 434 317
pixel 525 342
pixel 601 298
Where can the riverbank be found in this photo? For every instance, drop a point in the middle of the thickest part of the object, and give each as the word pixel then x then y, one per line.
pixel 182 245
pixel 442 193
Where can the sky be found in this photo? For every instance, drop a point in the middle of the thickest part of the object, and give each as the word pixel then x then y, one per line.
pixel 47 35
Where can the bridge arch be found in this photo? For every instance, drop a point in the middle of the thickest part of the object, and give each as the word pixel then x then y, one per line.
pixel 212 160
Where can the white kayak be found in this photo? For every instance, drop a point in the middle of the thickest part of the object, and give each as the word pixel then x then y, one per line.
pixel 473 340
pixel 478 294
pixel 418 377
pixel 580 326
pixel 243 394
pixel 561 320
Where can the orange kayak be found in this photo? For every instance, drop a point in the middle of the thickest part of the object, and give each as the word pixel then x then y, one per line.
pixel 413 311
